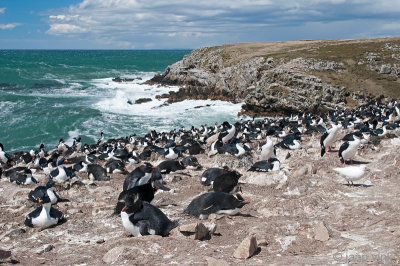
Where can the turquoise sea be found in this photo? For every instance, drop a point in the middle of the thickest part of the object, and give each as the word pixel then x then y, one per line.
pixel 46 95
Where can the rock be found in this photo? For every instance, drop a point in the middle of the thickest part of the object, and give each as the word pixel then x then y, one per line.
pixel 215 262
pixel 247 248
pixel 202 232
pixel 16 232
pixel 199 230
pixel 143 100
pixel 4 254
pixel 320 232
pixel 113 254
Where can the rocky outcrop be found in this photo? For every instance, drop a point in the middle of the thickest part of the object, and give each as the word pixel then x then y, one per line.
pixel 280 83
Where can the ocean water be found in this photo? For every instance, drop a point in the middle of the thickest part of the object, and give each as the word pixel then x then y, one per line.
pixel 46 95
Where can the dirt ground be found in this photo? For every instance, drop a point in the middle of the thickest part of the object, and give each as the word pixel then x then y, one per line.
pixel 286 209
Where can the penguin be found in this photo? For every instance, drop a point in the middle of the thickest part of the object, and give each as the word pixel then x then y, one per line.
pixel 77 144
pixel 61 147
pixel 97 172
pixel 272 164
pixel 4 157
pixel 268 150
pixel 348 149
pixel 115 166
pixel 171 166
pixel 171 154
pixel 13 173
pixel 380 132
pixel 100 141
pixel 26 178
pixel 141 218
pixel 290 142
pixel 328 138
pixel 209 175
pixel 40 191
pixel 146 193
pixel 191 162
pixel 139 176
pixel 351 173
pixel 227 134
pixel 227 182
pixel 215 202
pixel 195 148
pixel 214 147
pixel 59 175
pixel 44 216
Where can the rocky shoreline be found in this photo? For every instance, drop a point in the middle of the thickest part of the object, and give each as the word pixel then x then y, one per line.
pixel 286 77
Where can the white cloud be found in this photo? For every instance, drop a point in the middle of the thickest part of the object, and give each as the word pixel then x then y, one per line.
pixel 9 26
pixel 66 29
pixel 2 10
pixel 130 22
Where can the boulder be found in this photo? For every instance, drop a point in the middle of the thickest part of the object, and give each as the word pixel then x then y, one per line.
pixel 247 248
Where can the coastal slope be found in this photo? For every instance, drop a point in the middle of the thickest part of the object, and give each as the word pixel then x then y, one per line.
pixel 292 76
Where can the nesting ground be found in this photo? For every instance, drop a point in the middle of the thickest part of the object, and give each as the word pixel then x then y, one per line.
pixel 285 214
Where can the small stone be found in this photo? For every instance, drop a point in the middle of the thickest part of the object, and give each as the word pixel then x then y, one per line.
pixel 16 232
pixel 215 262
pixel 5 254
pixel 247 248
pixel 188 228
pixel 48 248
pixel 202 232
pixel 113 254
pixel 321 233
pixel 100 241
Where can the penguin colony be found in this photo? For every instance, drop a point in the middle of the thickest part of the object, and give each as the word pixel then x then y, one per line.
pixel 177 151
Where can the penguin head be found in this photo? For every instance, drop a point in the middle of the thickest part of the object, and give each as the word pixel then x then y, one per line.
pixel 50 183
pixel 158 184
pixel 43 198
pixel 132 204
pixel 241 202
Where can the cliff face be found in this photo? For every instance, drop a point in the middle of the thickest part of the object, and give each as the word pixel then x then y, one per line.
pixel 278 78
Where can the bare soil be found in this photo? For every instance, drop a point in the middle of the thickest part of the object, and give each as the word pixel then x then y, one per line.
pixel 285 208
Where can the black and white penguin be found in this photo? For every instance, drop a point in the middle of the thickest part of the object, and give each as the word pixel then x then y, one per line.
pixel 214 147
pixel 41 191
pixel 146 193
pixel 171 166
pixel 268 150
pixel 44 216
pixel 272 164
pixel 227 182
pixel 139 176
pixel 115 167
pixel 61 147
pixel 291 142
pixel 215 202
pixel 59 175
pixel 171 154
pixel 348 149
pixel 97 172
pixel 100 141
pixel 141 218
pixel 77 144
pixel 191 162
pixel 227 133
pixel 380 132
pixel 329 138
pixel 4 157
pixel 209 175
pixel 26 178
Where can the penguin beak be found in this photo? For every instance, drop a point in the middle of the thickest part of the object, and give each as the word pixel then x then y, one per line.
pixel 246 201
pixel 124 209
pixel 154 167
pixel 40 201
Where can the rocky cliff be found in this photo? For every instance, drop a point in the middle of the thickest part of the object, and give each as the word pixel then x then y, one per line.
pixel 282 77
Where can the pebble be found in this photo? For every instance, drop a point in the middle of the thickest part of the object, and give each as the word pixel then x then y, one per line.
pixel 247 248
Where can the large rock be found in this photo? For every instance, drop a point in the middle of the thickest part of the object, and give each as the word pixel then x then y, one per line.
pixel 320 232
pixel 247 248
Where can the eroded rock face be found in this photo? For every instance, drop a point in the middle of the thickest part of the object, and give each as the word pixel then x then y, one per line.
pixel 267 86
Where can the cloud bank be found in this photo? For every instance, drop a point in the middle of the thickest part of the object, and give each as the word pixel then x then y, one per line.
pixel 177 23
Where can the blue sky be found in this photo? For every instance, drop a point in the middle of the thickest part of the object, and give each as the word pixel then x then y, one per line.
pixel 162 24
